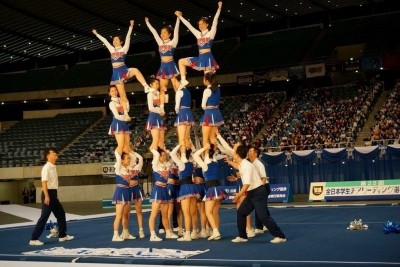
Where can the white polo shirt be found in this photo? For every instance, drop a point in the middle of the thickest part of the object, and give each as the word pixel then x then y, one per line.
pixel 49 174
pixel 260 168
pixel 249 175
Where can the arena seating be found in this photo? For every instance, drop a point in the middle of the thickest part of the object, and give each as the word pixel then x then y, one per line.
pixel 23 143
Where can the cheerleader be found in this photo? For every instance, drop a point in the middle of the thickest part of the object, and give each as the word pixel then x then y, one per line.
pixel 201 189
pixel 214 193
pixel 166 47
pixel 136 191
pixel 205 61
pixel 188 194
pixel 119 127
pixel 122 196
pixel 212 117
pixel 174 210
pixel 184 119
pixel 121 73
pixel 159 197
pixel 155 123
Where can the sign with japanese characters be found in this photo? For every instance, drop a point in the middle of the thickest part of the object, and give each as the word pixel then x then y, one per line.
pixel 108 169
pixel 355 190
pixel 279 193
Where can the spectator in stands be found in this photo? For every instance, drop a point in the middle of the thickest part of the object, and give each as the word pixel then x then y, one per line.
pixel 184 119
pixel 205 61
pixel 155 123
pixel 212 117
pixel 119 127
pixel 123 195
pixel 121 73
pixel 168 69
pixel 50 202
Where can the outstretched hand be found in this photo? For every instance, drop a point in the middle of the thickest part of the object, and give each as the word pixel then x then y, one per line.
pixel 220 4
pixel 94 31
pixel 178 14
pixel 146 19
pixel 132 22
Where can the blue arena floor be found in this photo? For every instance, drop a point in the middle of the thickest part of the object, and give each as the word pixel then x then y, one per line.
pixel 316 236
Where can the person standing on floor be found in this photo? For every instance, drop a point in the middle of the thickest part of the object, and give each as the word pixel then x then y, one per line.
pixel 252 155
pixel 254 200
pixel 50 202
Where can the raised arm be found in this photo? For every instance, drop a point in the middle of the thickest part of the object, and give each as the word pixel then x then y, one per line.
pixel 138 166
pixel 128 37
pixel 153 31
pixel 174 157
pixel 104 40
pixel 117 165
pixel 198 160
pixel 206 94
pixel 176 33
pixel 178 97
pixel 228 150
pixel 150 104
pixel 156 159
pixel 187 24
pixel 213 29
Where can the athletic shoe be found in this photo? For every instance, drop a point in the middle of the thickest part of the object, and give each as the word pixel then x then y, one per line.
pixel 171 235
pixel 161 231
pixel 175 229
pixel 155 238
pixel 128 236
pixel 185 238
pixel 202 234
pixel 250 233
pixel 35 243
pixel 147 89
pixel 66 238
pixel 117 238
pixel 258 231
pixel 278 240
pixel 238 239
pixel 141 234
pixel 183 84
pixel 194 235
pixel 265 228
pixel 216 236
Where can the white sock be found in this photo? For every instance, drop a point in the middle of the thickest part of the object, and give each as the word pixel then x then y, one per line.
pixel 183 77
pixel 153 233
pixel 115 233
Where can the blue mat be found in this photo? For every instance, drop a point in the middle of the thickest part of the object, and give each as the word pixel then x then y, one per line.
pixel 317 236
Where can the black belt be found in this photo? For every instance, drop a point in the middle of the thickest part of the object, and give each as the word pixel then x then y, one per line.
pixel 187 180
pixel 212 183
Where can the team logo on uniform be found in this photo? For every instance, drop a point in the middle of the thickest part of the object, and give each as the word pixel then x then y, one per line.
pixel 317 190
pixel 203 41
pixel 164 48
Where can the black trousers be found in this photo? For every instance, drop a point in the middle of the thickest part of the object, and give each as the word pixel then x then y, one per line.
pixel 255 200
pixel 259 224
pixel 58 211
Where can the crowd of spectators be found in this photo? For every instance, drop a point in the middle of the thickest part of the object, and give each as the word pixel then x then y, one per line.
pixel 316 118
pixel 249 118
pixel 387 121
